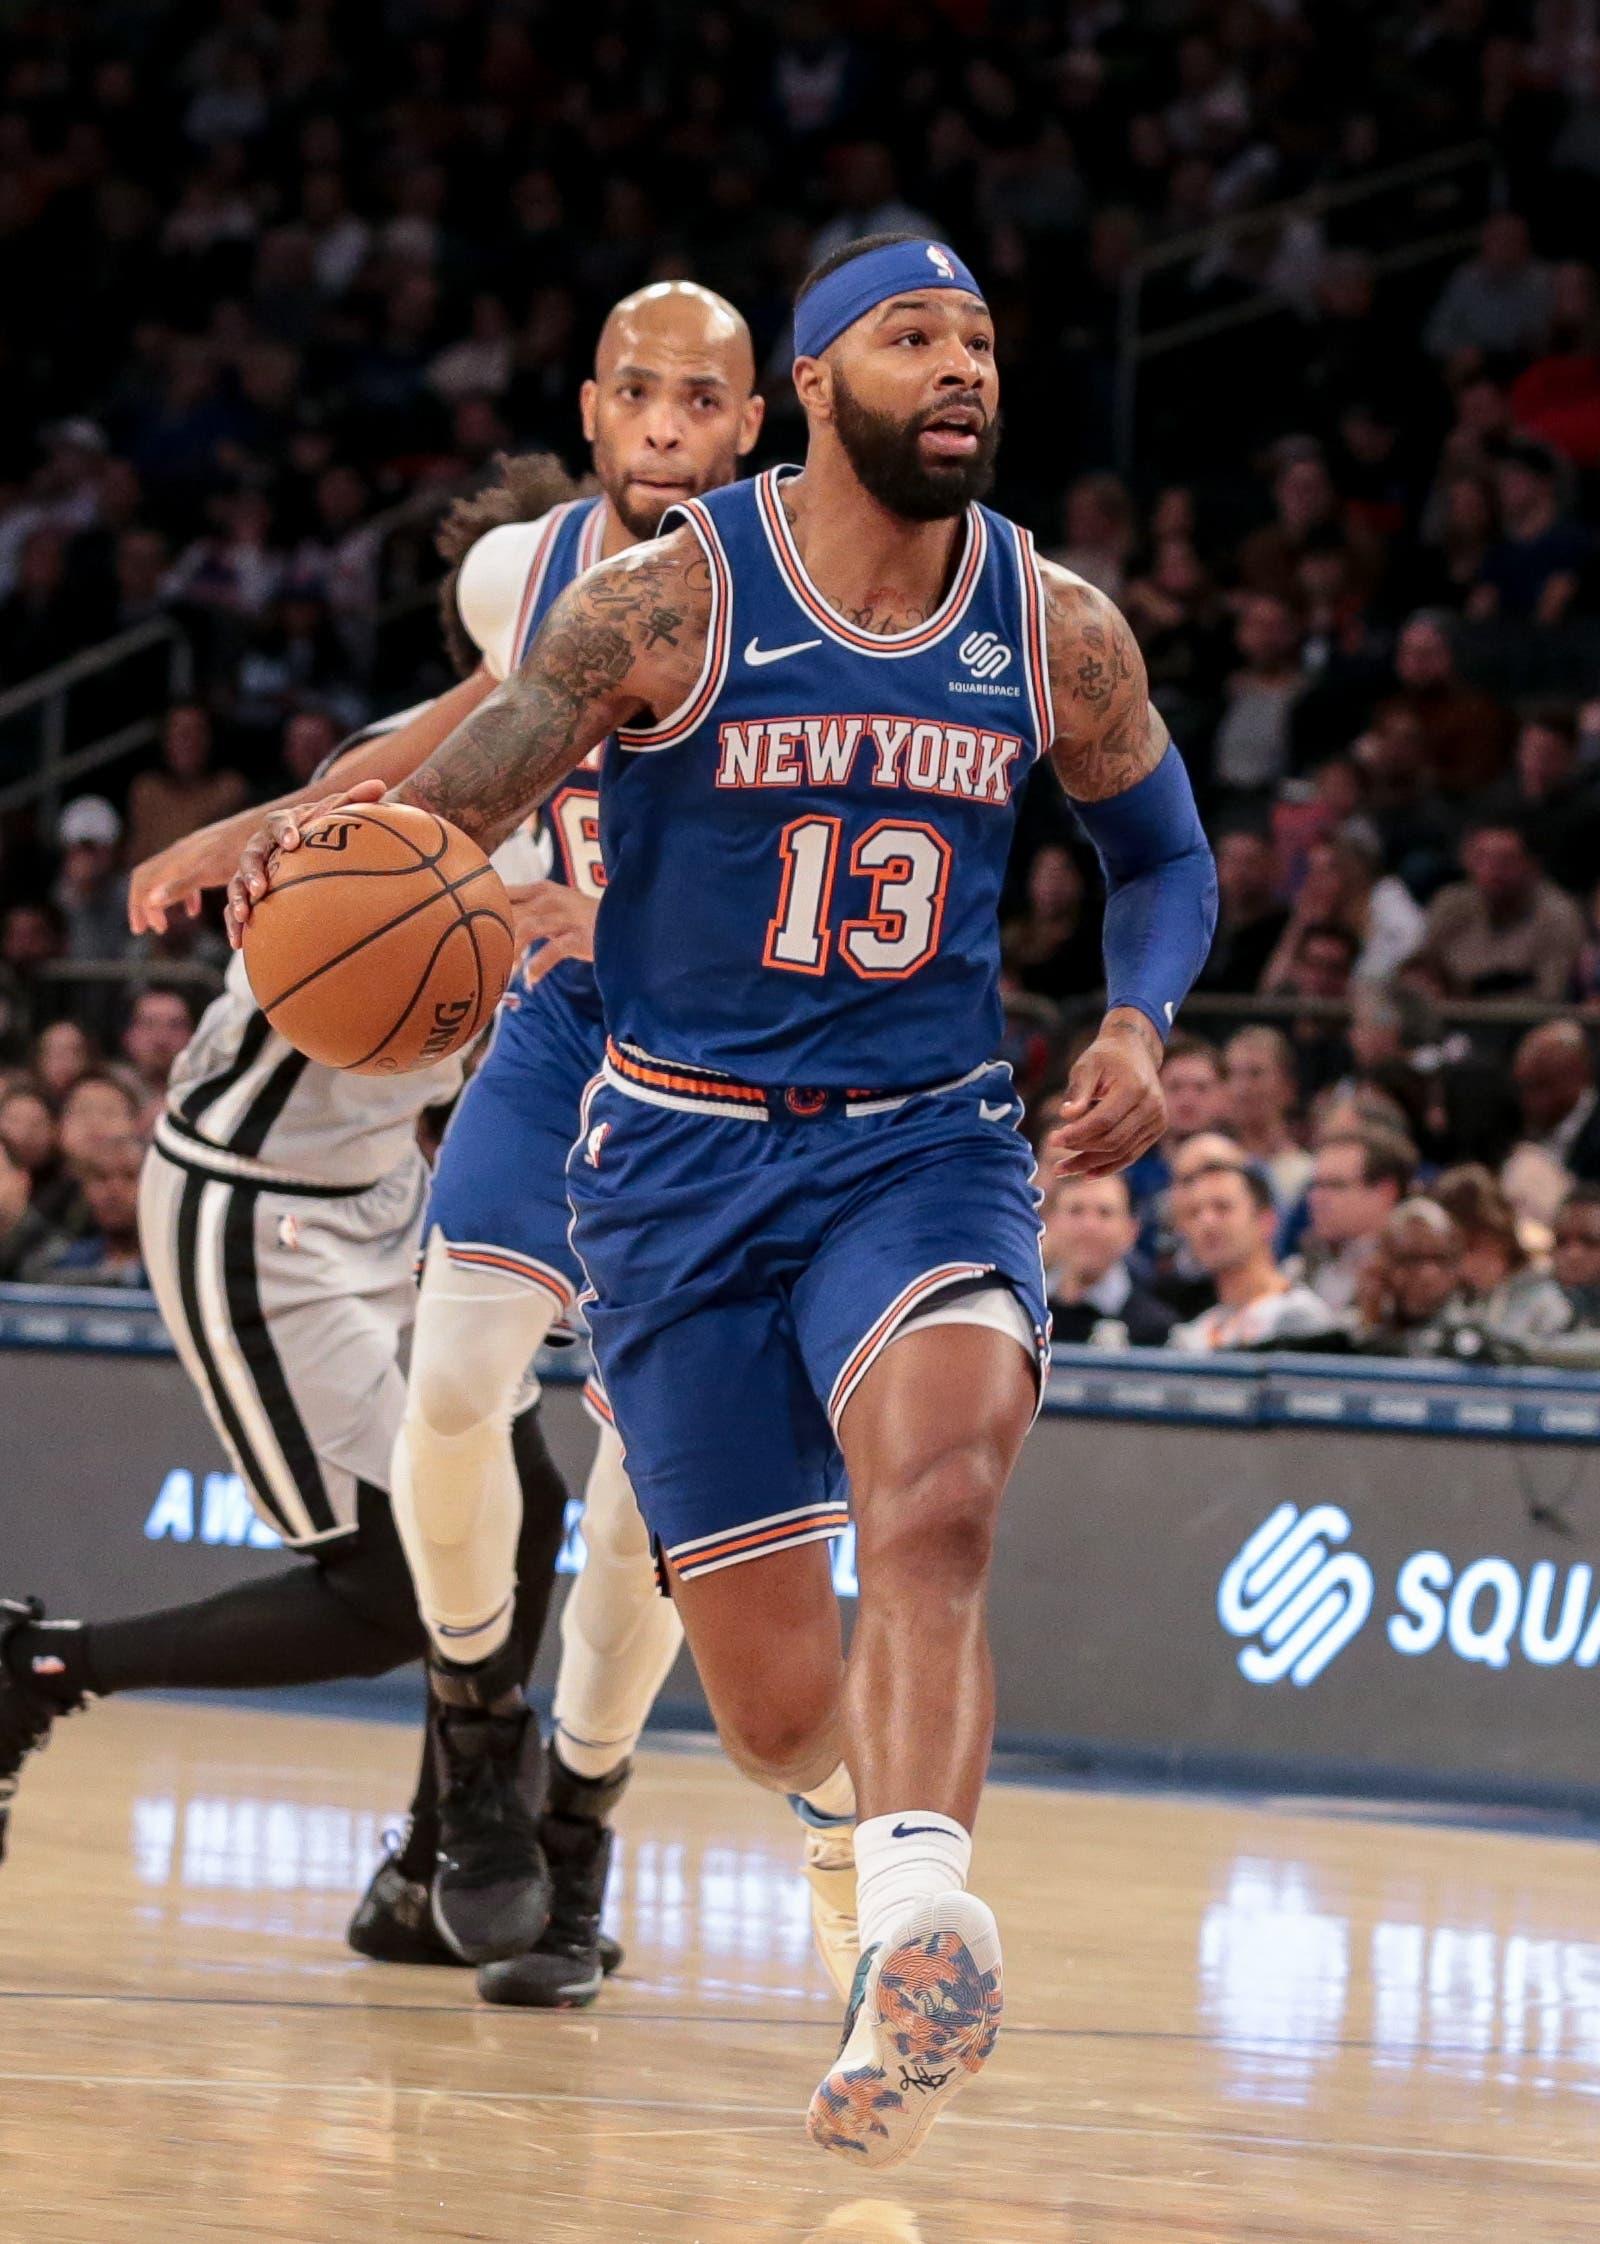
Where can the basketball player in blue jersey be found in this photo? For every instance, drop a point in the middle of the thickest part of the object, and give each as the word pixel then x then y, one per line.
pixel 801 1194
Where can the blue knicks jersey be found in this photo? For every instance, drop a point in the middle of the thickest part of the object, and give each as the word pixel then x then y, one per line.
pixel 570 820
pixel 805 861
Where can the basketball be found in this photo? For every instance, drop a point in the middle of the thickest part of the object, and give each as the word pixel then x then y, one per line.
pixel 383 943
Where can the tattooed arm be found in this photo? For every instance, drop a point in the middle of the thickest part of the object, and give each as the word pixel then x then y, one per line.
pixel 623 645
pixel 1113 756
pixel 1107 735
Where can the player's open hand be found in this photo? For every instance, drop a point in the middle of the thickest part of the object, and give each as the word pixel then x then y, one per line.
pixel 558 919
pixel 1114 1108
pixel 281 830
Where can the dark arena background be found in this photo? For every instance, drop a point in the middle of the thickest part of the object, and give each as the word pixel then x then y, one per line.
pixel 1296 1594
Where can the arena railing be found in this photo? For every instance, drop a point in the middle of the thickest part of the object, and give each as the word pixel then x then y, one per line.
pixel 46 703
pixel 1444 180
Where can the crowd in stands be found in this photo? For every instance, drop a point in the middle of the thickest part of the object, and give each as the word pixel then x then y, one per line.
pixel 1364 1230
pixel 329 259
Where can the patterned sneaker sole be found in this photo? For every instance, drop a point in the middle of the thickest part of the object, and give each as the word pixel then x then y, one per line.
pixel 929 2019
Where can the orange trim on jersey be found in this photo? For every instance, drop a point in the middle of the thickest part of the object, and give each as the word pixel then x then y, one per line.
pixel 752 1545
pixel 1035 646
pixel 947 613
pixel 514 1266
pixel 931 1281
pixel 690 1086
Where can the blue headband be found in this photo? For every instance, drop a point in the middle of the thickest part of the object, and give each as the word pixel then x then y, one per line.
pixel 898 269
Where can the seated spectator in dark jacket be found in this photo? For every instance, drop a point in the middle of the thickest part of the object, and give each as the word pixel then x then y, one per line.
pixel 1504 931
pixel 1052 948
pixel 1088 1235
pixel 1410 1283
pixel 1464 732
pixel 1250 916
pixel 1534 573
pixel 1552 800
pixel 107 1253
pixel 1553 1071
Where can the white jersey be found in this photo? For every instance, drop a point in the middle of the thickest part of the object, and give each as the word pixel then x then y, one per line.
pixel 241 1102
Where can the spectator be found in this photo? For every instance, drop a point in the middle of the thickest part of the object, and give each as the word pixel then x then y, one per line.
pixel 1344 886
pixel 1099 533
pixel 98 1108
pixel 91 894
pixel 1553 1070
pixel 1250 753
pixel 1576 1258
pixel 1250 918
pixel 1053 948
pixel 185 792
pixel 1191 1082
pixel 107 1252
pixel 1089 1232
pixel 1309 519
pixel 62 1055
pixel 1533 574
pixel 1556 397
pixel 309 740
pixel 1228 1220
pixel 38 626
pixel 1507 1298
pixel 1504 931
pixel 1555 800
pixel 1411 1282
pixel 1182 628
pixel 1359 1177
pixel 1464 732
pixel 1498 302
pixel 159 1026
pixel 1320 968
pixel 1262 1094
pixel 28 1131
pixel 24 1232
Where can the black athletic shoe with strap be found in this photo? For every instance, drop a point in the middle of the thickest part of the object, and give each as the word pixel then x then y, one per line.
pixel 393 1922
pixel 567 1967
pixel 491 1887
pixel 27 1712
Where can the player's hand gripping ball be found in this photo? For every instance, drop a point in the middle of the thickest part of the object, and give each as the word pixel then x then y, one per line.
pixel 383 941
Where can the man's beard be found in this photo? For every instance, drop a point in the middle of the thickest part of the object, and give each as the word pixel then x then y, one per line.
pixel 641 510
pixel 889 464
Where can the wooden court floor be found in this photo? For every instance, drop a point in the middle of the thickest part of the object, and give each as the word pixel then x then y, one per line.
pixel 1225 2023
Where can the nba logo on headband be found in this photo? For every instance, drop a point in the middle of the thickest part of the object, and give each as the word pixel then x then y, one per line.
pixel 940 260
pixel 895 268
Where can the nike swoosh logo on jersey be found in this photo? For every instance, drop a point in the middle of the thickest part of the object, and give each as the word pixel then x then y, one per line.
pixel 994 1113
pixel 755 654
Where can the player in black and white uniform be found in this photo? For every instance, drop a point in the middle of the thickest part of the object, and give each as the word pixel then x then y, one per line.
pixel 280 1217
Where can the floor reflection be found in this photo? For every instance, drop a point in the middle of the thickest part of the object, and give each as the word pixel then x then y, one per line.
pixel 1286 1975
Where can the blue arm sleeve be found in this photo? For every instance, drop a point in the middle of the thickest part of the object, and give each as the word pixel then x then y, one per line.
pixel 1161 890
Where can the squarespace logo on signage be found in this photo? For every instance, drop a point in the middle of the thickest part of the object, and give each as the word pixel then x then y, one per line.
pixel 1297 1599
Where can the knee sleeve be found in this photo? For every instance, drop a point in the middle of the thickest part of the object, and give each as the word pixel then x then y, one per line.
pixel 457 1500
pixel 476 1333
pixel 619 1635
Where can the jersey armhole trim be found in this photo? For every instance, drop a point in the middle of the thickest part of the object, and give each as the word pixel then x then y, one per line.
pixel 1036 664
pixel 646 739
pixel 533 583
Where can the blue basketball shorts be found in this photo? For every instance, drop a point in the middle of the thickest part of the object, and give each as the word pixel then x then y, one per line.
pixel 749 1263
pixel 499 1193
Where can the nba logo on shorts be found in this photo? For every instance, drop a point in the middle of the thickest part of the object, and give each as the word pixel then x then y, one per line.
pixel 595 1140
pixel 941 259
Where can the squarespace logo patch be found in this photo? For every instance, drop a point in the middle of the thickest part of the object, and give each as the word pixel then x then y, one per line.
pixel 1295 1597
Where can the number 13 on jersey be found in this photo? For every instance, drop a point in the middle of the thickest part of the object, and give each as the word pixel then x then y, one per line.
pixel 908 865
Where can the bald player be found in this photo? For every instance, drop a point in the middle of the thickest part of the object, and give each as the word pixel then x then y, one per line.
pixel 669 413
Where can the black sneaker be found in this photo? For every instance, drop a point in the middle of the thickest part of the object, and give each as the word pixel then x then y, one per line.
pixel 27 1714
pixel 393 1922
pixel 567 1967
pixel 491 1889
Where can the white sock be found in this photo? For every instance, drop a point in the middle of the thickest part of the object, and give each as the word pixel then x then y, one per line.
pixel 457 1500
pixel 905 1859
pixel 833 1800
pixel 619 1635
